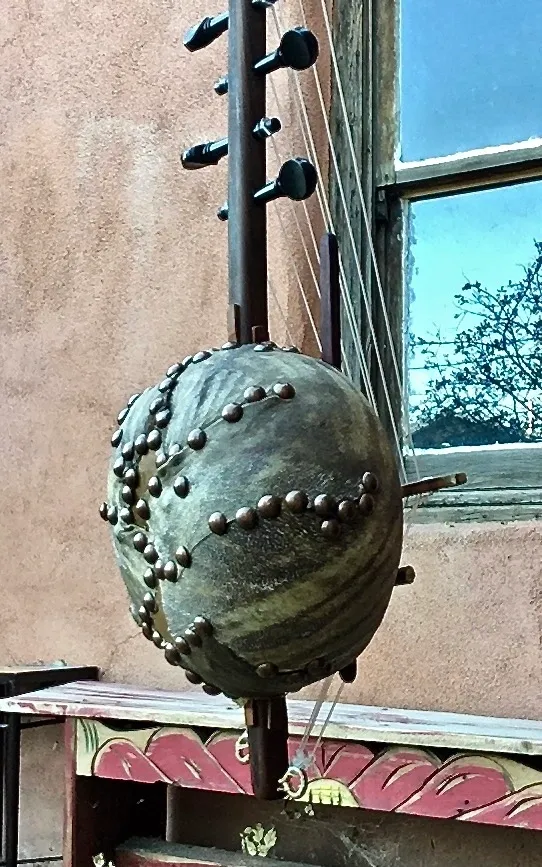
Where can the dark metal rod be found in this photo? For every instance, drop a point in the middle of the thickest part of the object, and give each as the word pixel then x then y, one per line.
pixel 12 778
pixel 247 221
pixel 330 302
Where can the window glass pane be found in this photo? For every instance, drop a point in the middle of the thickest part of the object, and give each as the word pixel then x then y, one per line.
pixel 470 75
pixel 474 343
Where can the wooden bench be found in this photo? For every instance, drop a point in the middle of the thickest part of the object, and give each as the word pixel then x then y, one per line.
pixel 121 739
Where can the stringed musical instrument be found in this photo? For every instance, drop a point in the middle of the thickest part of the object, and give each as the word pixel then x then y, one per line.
pixel 253 497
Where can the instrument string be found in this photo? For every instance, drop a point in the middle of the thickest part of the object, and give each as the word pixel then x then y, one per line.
pixel 282 315
pixel 342 280
pixel 364 292
pixel 305 124
pixel 302 758
pixel 299 229
pixel 300 283
pixel 308 142
pixel 350 315
pixel 378 279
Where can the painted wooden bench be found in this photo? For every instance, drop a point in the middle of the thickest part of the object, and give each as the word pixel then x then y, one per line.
pixel 121 739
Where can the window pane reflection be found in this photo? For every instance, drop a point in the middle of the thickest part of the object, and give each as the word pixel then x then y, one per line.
pixel 474 343
pixel 469 75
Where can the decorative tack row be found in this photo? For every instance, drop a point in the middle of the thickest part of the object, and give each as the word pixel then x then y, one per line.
pixel 333 512
pixel 193 639
pixel 196 439
pixel 159 408
pixel 182 645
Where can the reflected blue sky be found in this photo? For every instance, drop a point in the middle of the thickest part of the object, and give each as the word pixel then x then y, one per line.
pixel 470 74
pixel 486 236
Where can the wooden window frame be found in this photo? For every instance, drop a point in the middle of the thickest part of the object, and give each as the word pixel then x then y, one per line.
pixel 505 483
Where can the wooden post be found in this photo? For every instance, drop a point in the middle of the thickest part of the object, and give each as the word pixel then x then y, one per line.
pixel 247 221
pixel 267 730
pixel 267 719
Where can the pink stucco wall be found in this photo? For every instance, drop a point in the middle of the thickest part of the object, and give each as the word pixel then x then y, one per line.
pixel 112 265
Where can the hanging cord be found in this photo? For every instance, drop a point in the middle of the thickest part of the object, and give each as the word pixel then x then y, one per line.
pixel 410 507
pixel 327 720
pixel 301 752
pixel 295 780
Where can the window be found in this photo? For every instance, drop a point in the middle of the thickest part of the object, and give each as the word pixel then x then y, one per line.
pixel 445 104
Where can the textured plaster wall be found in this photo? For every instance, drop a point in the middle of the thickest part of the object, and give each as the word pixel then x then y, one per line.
pixel 112 265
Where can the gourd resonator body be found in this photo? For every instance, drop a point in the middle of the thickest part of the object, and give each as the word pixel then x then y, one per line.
pixel 257 518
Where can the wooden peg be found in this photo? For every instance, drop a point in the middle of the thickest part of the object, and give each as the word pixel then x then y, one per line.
pixel 267 730
pixel 405 575
pixel 435 483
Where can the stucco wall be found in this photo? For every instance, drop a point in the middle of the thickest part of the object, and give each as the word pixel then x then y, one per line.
pixel 112 265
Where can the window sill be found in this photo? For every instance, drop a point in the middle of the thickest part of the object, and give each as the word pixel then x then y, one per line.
pixel 505 483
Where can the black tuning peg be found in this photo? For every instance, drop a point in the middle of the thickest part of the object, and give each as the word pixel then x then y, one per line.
pixel 206 31
pixel 266 127
pixel 298 50
pixel 210 153
pixel 221 86
pixel 206 154
pixel 296 180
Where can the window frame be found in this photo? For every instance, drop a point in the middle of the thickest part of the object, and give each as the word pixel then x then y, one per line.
pixel 503 483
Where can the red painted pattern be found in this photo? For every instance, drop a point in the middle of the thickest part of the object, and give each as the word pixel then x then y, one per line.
pixel 472 788
pixel 121 760
pixel 457 787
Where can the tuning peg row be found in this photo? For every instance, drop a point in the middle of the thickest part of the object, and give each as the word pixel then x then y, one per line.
pixel 296 180
pixel 298 50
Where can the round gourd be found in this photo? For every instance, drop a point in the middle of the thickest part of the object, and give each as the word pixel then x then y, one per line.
pixel 257 520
